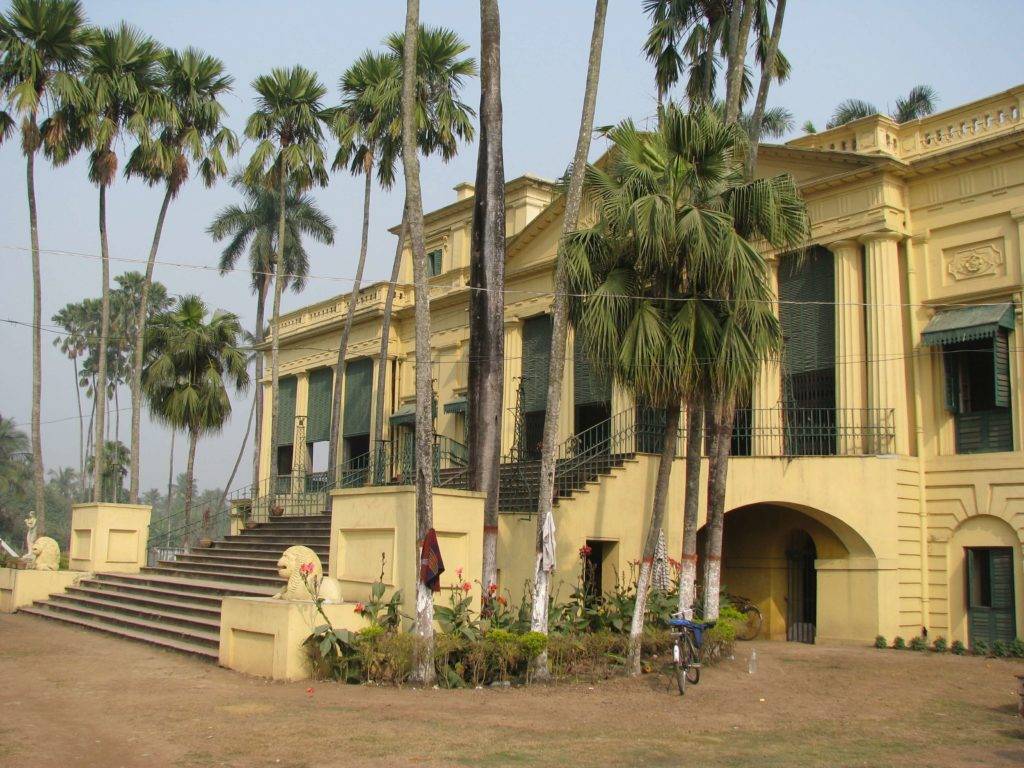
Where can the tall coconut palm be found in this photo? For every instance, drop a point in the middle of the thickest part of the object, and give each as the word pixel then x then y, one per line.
pixel 191 362
pixel 288 125
pixel 559 323
pixel 444 121
pixel 120 92
pixel 74 344
pixel 423 671
pixel 487 291
pixel 251 227
pixel 672 289
pixel 42 48
pixel 190 131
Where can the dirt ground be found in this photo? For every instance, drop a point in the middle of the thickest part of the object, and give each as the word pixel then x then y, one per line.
pixel 78 698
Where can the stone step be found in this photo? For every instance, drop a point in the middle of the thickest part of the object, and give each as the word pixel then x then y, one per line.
pixel 189 572
pixel 198 649
pixel 282 539
pixel 232 557
pixel 268 570
pixel 180 585
pixel 200 637
pixel 199 605
pixel 256 549
pixel 207 622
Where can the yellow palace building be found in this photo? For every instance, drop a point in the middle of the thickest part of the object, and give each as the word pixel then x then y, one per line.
pixel 877 484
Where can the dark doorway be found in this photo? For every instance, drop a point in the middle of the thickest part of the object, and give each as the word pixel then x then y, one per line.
pixel 990 613
pixel 593 428
pixel 593 567
pixel 802 602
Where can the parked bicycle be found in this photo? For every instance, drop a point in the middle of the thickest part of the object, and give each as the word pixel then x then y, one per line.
pixel 687 640
pixel 751 627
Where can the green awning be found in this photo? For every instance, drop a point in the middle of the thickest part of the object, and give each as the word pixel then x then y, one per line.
pixel 953 326
pixel 404 415
pixel 458 405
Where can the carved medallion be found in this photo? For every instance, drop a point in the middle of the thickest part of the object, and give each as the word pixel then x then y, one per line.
pixel 977 260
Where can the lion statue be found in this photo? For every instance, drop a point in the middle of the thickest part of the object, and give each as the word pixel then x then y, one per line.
pixel 47 554
pixel 290 567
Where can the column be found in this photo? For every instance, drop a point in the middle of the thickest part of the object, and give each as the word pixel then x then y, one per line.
pixel 851 393
pixel 266 441
pixel 513 370
pixel 766 421
pixel 300 458
pixel 886 378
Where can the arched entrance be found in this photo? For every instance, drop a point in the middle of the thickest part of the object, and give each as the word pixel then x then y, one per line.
pixel 812 576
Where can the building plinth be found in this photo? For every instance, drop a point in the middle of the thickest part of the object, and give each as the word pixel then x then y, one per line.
pixel 109 538
pixel 19 588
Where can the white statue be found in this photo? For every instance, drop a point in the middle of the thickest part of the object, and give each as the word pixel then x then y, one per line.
pixel 46 552
pixel 30 532
pixel 297 562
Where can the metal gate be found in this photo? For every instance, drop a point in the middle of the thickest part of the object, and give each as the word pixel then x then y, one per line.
pixel 802 605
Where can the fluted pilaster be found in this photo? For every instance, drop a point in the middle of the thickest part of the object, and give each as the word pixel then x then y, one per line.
pixel 851 393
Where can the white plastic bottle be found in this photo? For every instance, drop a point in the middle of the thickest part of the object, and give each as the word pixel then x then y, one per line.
pixel 752 663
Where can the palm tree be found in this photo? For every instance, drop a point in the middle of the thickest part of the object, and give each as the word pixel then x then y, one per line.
pixel 253 225
pixel 423 668
pixel 42 47
pixel 115 469
pixel 14 444
pixel 191 360
pixel 120 91
pixel 671 289
pixel 560 316
pixel 487 291
pixel 191 131
pixel 74 344
pixel 443 118
pixel 288 125
pixel 919 102
pixel 368 127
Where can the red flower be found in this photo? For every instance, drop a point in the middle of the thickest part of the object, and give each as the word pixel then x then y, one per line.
pixel 306 568
pixel 458 574
pixel 585 551
pixel 360 609
pixel 502 600
pixel 466 586
pixel 676 565
pixel 492 589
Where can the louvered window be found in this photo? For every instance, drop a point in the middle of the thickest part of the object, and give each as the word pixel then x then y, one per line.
pixel 434 263
pixel 589 386
pixel 977 392
pixel 990 599
pixel 536 363
pixel 286 387
pixel 358 384
pixel 318 423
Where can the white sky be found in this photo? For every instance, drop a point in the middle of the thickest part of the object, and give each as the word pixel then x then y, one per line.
pixel 871 50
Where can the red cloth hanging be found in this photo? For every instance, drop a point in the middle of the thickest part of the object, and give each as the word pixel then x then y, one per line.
pixel 431 564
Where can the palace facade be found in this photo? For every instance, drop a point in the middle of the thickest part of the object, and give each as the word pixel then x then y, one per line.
pixel 877 484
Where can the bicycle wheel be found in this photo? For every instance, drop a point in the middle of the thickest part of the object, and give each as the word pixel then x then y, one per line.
pixel 679 664
pixel 692 662
pixel 750 628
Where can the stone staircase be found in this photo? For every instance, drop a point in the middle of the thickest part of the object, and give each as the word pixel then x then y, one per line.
pixel 176 604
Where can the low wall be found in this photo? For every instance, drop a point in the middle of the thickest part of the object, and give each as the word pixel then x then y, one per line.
pixel 109 538
pixel 19 588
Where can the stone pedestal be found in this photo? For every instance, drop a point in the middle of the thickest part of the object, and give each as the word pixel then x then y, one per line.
pixel 19 587
pixel 263 636
pixel 109 538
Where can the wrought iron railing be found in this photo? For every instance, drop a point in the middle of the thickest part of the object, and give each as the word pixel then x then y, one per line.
pixel 170 536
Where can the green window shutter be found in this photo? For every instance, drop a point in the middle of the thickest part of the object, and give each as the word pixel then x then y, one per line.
pixel 589 386
pixel 286 410
pixel 318 423
pixel 807 311
pixel 358 384
pixel 951 375
pixel 1001 361
pixel 434 263
pixel 536 362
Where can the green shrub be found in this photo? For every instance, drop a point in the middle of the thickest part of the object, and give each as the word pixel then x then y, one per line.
pixel 1017 648
pixel 918 643
pixel 532 644
pixel 980 648
pixel 940 645
pixel 899 643
pixel 957 648
pixel 880 642
pixel 1000 649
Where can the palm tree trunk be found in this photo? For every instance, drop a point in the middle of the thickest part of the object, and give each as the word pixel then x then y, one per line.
pixel 257 443
pixel 767 75
pixel 38 477
pixel 739 33
pixel 101 376
pixel 385 333
pixel 140 336
pixel 89 437
pixel 643 583
pixel 170 491
pixel 193 438
pixel 238 459
pixel 423 671
pixel 81 433
pixel 353 297
pixel 718 467
pixel 275 334
pixel 117 414
pixel 487 297
pixel 691 506
pixel 560 316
